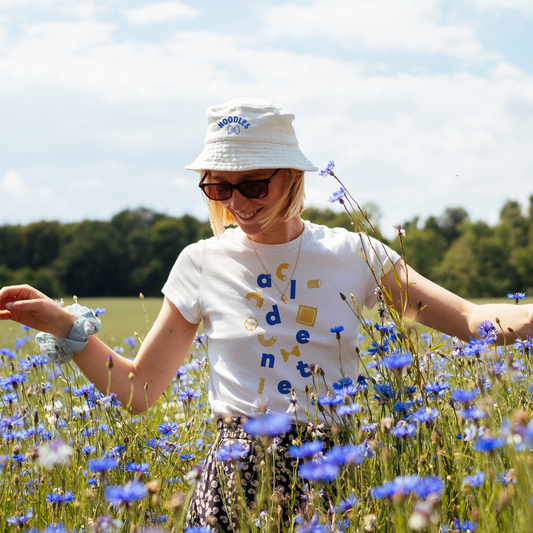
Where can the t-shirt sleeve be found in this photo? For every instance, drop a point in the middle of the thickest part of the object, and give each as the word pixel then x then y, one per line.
pixel 380 260
pixel 184 283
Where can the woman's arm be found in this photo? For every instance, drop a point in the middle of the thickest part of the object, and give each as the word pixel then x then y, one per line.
pixel 432 305
pixel 161 354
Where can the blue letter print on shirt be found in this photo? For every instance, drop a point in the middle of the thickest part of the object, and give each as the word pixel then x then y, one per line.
pixel 264 281
pixel 273 317
pixel 284 387
pixel 302 336
pixel 268 358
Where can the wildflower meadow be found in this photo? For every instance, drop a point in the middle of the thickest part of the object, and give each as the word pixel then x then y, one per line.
pixel 433 435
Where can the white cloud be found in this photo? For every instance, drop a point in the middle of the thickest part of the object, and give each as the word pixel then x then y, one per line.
pixel 12 184
pixel 521 5
pixel 161 12
pixel 410 25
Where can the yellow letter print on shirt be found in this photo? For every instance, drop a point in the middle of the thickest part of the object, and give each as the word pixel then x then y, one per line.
pixel 295 351
pixel 266 342
pixel 280 269
pixel 257 297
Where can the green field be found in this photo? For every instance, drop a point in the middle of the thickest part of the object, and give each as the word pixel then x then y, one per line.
pixel 123 318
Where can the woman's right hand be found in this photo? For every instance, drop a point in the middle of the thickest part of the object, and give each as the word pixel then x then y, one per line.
pixel 28 306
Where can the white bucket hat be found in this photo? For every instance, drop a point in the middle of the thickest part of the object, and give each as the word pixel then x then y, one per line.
pixel 250 133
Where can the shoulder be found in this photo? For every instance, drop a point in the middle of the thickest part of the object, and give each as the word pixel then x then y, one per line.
pixel 231 240
pixel 332 237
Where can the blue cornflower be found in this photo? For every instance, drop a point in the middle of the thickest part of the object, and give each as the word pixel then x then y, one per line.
pixel 343 383
pixel 337 196
pixel 125 494
pixel 167 428
pixel 379 349
pixel 341 455
pixel 475 347
pixel 59 498
pixel 517 296
pixel 348 503
pixel 405 485
pixel 187 394
pixel 325 471
pixel 397 360
pixel 385 328
pixel 130 341
pixel 234 450
pixel 99 311
pixel 384 392
pixel 102 464
pixel 525 347
pixel 19 343
pixel 84 389
pixel 310 527
pixel 487 331
pixel 25 364
pixel 330 400
pixel 87 450
pixel 198 529
pixel 328 170
pixel 349 409
pixel 475 480
pixel 472 413
pixel 424 414
pixel 307 449
pixel 437 388
pixel 115 451
pixel 403 407
pixel 268 425
pixel 10 397
pixel 20 519
pixel 182 370
pixel 199 340
pixel 403 430
pixel 466 525
pixel 12 382
pixel 387 490
pixel 337 329
pixel 8 353
pixel 488 444
pixel 428 485
pixel 138 468
pixel 362 381
pixel 464 396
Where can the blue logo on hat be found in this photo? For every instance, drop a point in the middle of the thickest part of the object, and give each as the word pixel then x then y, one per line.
pixel 234 120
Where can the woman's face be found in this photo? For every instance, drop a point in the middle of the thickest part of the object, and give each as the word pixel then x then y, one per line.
pixel 250 212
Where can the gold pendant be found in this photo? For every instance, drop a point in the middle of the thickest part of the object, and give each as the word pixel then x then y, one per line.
pixel 284 299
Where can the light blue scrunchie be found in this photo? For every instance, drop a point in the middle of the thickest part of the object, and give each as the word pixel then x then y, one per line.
pixel 60 351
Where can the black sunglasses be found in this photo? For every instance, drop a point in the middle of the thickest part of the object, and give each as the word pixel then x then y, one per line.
pixel 249 189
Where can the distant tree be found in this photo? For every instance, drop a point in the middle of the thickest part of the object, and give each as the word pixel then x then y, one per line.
pixel 93 262
pixel 39 278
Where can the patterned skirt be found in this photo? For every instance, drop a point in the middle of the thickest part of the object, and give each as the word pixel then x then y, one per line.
pixel 229 491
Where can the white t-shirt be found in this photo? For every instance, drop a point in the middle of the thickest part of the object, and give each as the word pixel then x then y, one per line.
pixel 259 346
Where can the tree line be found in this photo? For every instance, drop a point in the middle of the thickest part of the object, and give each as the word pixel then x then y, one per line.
pixel 134 251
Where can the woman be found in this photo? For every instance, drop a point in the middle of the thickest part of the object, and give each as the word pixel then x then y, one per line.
pixel 267 291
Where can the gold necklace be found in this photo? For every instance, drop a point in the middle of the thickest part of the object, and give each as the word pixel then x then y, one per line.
pixel 283 297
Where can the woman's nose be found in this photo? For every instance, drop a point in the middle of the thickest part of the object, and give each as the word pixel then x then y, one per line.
pixel 238 201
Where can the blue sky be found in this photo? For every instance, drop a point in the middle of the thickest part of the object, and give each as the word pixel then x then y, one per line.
pixel 422 104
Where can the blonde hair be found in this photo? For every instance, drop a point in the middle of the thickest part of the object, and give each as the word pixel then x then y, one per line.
pixel 290 204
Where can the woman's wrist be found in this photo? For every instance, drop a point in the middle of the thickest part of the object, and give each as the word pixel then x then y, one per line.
pixel 82 321
pixel 64 327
